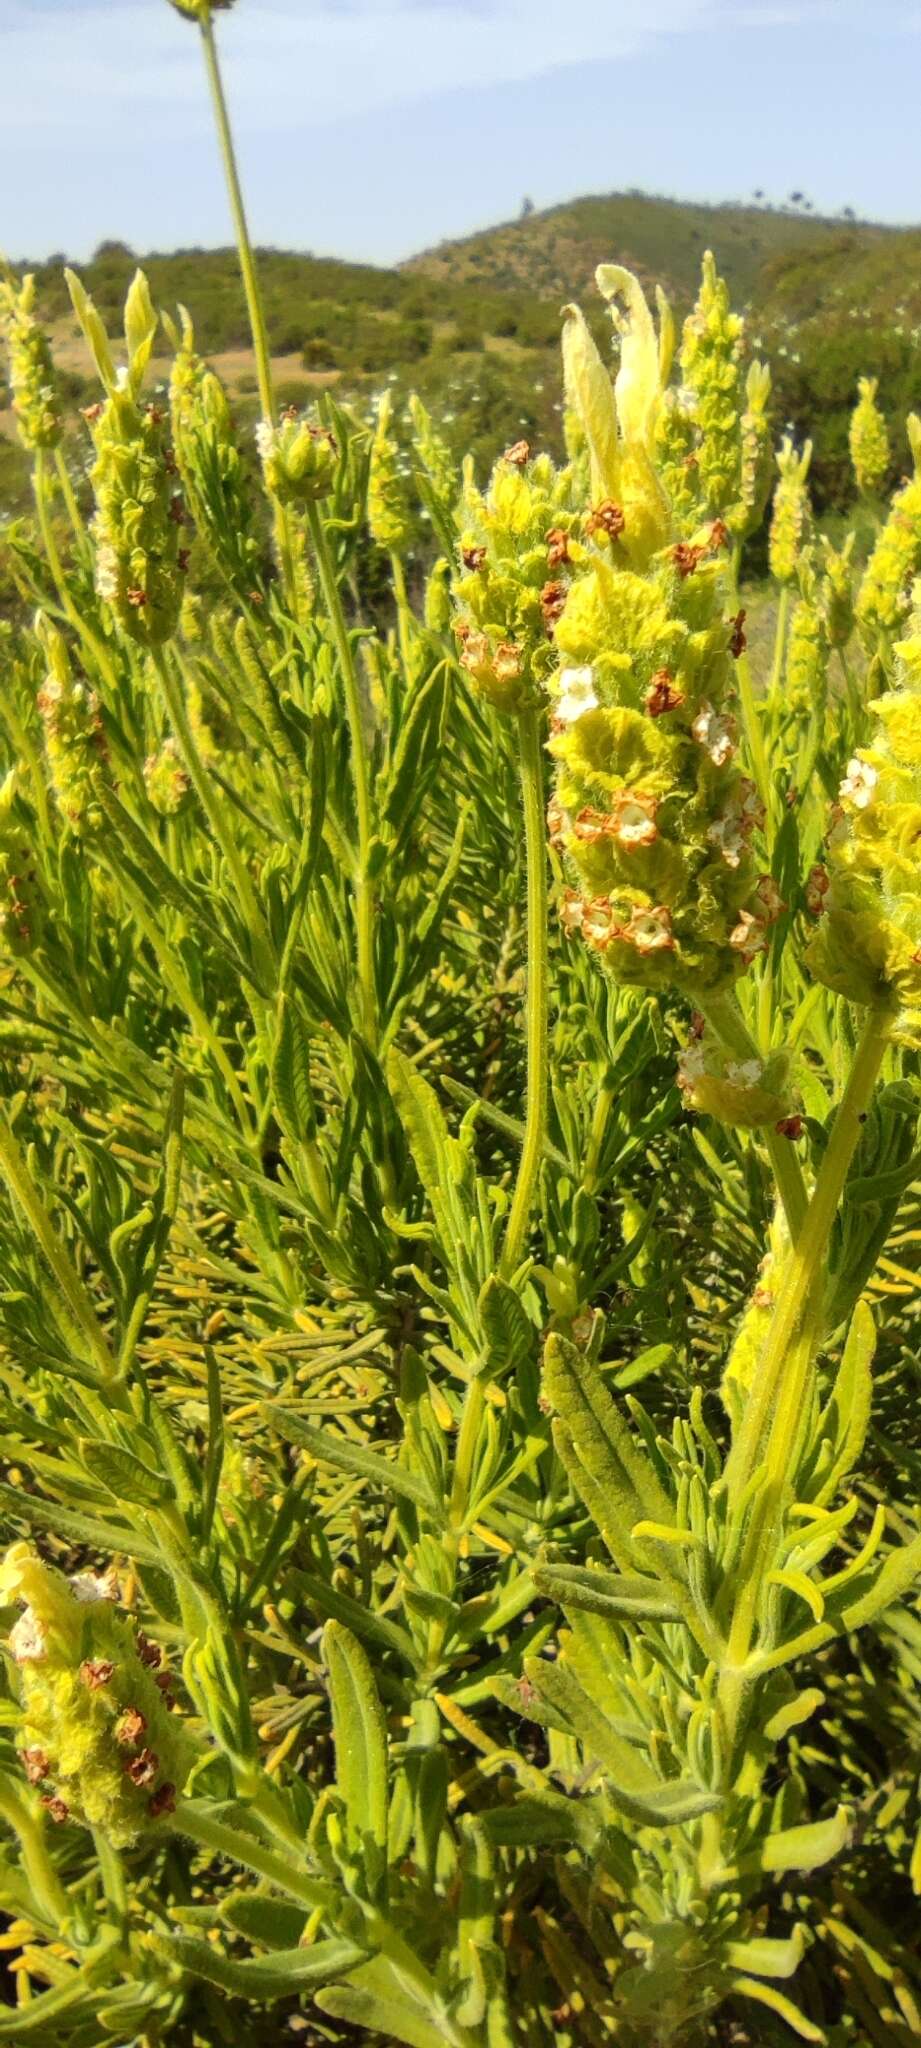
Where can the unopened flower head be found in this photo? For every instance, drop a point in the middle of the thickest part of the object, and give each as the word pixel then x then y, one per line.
pixel 791 518
pixel 711 369
pixel 22 899
pixel 166 779
pixel 837 591
pixel 756 466
pixel 96 1732
pixel 33 377
pixel 74 740
pixel 389 515
pixel 869 441
pixel 867 897
pixel 210 464
pixel 884 598
pixel 299 458
pixel 808 650
pixel 137 527
pixel 514 579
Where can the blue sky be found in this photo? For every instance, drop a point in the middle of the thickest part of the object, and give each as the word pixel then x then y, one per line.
pixel 371 128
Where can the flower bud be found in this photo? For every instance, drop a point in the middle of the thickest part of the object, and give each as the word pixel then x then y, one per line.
pixel 837 593
pixel 33 377
pixel 22 903
pixel 166 779
pixel 756 461
pixel 298 459
pixel 95 1732
pixel 791 519
pixel 388 500
pixel 74 740
pixel 512 591
pixel 884 598
pixel 807 650
pixel 869 440
pixel 711 353
pixel 867 943
pixel 210 464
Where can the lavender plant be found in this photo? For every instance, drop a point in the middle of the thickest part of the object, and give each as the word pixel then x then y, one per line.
pixel 422 1029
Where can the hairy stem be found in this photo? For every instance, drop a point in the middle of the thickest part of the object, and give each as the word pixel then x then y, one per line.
pixel 535 1131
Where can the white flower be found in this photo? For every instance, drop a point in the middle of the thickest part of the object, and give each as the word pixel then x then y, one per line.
pixel 859 784
pixel 91 1586
pixel 266 437
pixel 650 931
pixel 744 1073
pixel 634 819
pixel 692 1065
pixel 27 1637
pixel 577 694
pixel 727 834
pixel 716 733
pixel 106 573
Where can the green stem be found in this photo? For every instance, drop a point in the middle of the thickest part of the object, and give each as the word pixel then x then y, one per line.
pixel 535 1130
pixel 776 1396
pixel 254 305
pixel 216 816
pixel 67 492
pixel 22 1187
pixel 364 888
pixel 780 647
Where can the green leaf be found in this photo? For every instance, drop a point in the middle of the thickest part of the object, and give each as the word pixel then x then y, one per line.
pixel 292 1092
pixel 748 1987
pixel 360 1735
pixel 391 2019
pixel 123 1475
pixel 802 1848
pixel 631 1784
pixel 273 1922
pixel 621 1595
pixel 764 1957
pixel 510 1338
pixel 345 1456
pixel 108 1537
pixel 334 1605
pixel 615 1479
pixel 260 1977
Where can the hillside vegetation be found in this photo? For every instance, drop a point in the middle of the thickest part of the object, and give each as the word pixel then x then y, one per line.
pixel 474 324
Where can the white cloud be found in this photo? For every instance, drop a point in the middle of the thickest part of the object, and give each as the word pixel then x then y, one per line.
pixel 305 63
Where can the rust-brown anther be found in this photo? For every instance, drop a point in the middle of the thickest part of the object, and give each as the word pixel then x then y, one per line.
pixel 170 464
pixel 789 1127
pixel 137 598
pixel 56 1809
pixel 686 555
pixel 737 639
pixel 552 601
pixel 817 885
pixel 473 557
pixel 36 1765
pixel 663 694
pixel 177 511
pixel 156 415
pixel 142 1769
pixel 130 1727
pixel 606 518
pixel 719 536
pixel 557 547
pixel 183 558
pixel 96 1671
pixel 519 453
pixel 149 1653
pixel 162 1801
pixel 91 413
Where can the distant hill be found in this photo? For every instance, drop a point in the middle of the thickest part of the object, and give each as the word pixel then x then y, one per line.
pixel 554 253
pixel 474 324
